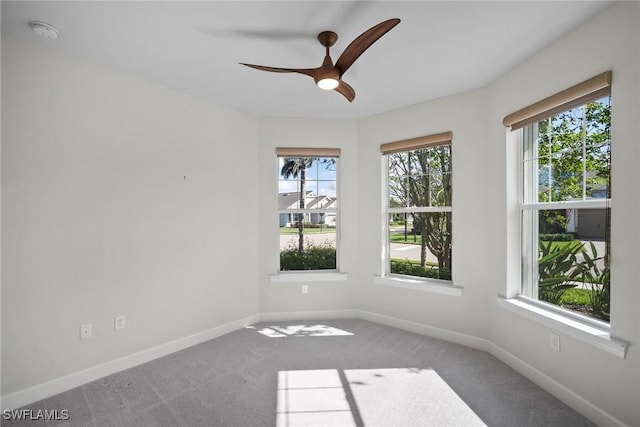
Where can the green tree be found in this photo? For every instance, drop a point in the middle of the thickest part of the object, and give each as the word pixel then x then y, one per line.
pixel 422 178
pixel 574 154
pixel 575 158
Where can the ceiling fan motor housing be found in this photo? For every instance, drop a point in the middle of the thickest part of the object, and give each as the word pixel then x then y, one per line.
pixel 327 38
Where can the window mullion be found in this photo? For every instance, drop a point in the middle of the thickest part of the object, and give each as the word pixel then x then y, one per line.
pixel 575 204
pixel 425 209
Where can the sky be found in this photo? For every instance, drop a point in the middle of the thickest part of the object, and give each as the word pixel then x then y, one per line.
pixel 319 179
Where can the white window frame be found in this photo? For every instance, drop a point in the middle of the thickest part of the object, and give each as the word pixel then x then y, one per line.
pixel 439 286
pixel 582 328
pixel 307 276
pixel 529 204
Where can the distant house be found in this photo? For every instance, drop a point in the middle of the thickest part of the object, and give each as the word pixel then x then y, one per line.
pixel 584 223
pixel 312 201
pixel 587 223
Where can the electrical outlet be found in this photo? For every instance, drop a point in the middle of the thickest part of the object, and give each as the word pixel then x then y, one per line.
pixel 554 342
pixel 85 331
pixel 305 289
pixel 119 322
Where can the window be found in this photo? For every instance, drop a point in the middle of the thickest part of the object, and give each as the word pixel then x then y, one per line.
pixel 418 207
pixel 566 205
pixel 308 208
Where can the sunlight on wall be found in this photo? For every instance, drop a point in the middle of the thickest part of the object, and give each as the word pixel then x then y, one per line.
pixel 396 396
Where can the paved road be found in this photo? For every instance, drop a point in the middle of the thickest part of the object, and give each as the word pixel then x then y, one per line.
pixel 398 250
pixel 287 240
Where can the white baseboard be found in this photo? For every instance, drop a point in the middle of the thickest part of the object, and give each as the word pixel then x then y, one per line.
pixel 42 391
pixel 308 315
pixel 59 385
pixel 566 395
pixel 422 329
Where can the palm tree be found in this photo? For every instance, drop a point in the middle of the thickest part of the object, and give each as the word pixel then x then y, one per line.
pixel 296 167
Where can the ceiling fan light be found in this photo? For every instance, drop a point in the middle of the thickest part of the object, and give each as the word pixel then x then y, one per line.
pixel 328 83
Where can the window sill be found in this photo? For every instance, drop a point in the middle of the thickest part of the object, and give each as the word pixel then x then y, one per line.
pixel 591 332
pixel 308 276
pixel 443 287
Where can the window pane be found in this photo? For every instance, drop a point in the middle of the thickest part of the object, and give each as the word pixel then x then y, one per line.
pixel 420 178
pixel 398 190
pixel 308 241
pixel 566 178
pixel 573 175
pixel 288 186
pixel 571 152
pixel 288 200
pixel 328 190
pixel 307 183
pixel 420 244
pixel 418 194
pixel 440 194
pixel 598 163
pixel 572 260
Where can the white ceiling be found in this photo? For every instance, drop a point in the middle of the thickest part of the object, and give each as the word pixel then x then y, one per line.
pixel 438 49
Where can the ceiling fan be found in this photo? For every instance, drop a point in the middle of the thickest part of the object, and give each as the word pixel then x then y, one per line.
pixel 329 76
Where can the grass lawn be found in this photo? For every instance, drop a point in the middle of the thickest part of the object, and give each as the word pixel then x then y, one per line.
pixel 396 223
pixel 292 230
pixel 428 264
pixel 576 297
pixel 399 238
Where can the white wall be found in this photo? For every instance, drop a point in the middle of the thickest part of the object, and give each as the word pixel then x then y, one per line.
pixel 462 114
pixel 324 298
pixel 485 216
pixel 610 41
pixel 98 219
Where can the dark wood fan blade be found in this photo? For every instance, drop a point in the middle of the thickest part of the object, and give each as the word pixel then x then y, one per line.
pixel 362 43
pixel 306 71
pixel 346 90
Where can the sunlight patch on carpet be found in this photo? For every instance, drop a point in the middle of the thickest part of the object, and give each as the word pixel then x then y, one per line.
pixel 312 398
pixel 374 397
pixel 408 397
pixel 301 331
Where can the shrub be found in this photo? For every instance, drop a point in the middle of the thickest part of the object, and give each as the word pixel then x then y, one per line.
pixel 555 267
pixel 561 270
pixel 598 279
pixel 557 237
pixel 413 268
pixel 314 257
